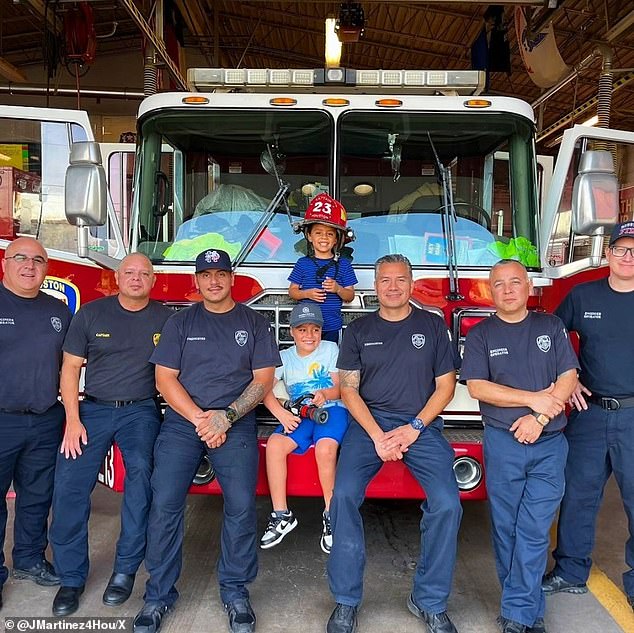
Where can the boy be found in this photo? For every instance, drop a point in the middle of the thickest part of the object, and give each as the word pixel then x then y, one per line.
pixel 309 367
pixel 322 276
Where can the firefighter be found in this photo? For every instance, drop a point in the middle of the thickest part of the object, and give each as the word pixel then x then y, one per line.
pixel 214 364
pixel 114 336
pixel 601 429
pixel 323 276
pixel 32 330
pixel 397 371
pixel 521 366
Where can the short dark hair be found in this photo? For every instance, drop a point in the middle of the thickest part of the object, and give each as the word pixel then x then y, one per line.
pixel 394 258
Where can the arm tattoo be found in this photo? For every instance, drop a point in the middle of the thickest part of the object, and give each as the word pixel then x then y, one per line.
pixel 349 379
pixel 249 398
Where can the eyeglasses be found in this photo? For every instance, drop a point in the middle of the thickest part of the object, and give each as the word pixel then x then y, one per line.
pixel 620 251
pixel 19 258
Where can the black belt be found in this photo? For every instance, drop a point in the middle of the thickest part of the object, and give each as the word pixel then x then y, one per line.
pixel 19 411
pixel 612 404
pixel 113 403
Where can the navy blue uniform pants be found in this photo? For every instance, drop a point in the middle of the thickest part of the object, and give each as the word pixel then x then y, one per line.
pixel 28 446
pixel 177 454
pixel 430 460
pixel 525 483
pixel 601 443
pixel 134 428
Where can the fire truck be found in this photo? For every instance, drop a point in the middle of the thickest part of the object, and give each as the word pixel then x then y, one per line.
pixel 424 164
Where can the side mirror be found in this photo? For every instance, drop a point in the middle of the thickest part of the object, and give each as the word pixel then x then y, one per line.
pixel 86 190
pixel 595 195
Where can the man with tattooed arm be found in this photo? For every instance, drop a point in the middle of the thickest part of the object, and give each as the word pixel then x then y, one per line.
pixel 397 369
pixel 214 363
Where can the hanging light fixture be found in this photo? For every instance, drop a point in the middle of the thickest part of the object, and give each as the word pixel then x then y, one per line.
pixel 333 45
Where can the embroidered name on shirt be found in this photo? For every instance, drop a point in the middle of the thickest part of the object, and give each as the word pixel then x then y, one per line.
pixel 373 343
pixel 102 334
pixel 498 351
pixel 7 321
pixel 196 338
pixel 591 315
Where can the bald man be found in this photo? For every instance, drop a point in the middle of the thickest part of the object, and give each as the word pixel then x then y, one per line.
pixel 115 337
pixel 32 330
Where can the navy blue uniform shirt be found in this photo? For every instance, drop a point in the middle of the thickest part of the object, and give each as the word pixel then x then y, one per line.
pixel 31 336
pixel 529 355
pixel 604 321
pixel 399 361
pixel 216 353
pixel 117 344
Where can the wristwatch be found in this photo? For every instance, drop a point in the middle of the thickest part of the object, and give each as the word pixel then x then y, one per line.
pixel 231 415
pixel 541 418
pixel 417 424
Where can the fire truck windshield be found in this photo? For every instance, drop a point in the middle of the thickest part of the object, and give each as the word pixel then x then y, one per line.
pixel 215 182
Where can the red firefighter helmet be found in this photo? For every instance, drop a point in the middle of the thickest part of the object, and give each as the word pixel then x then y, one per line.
pixel 323 209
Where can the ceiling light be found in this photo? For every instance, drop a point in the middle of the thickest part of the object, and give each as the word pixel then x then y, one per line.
pixel 363 189
pixel 333 45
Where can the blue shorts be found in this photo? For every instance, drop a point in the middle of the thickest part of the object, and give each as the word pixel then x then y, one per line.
pixel 308 432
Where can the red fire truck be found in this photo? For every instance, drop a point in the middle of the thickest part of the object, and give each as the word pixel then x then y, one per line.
pixel 425 166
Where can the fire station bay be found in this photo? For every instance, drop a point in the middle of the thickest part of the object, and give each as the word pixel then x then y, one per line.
pixel 317 316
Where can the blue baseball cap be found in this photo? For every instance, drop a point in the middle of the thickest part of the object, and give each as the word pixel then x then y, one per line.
pixel 213 258
pixel 306 313
pixel 626 229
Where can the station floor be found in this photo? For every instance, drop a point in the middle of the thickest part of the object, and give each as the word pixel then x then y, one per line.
pixel 291 592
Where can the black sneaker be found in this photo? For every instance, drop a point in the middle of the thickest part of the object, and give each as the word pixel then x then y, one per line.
pixel 343 619
pixel 241 616
pixel 277 529
pixel 41 573
pixel 436 622
pixel 326 533
pixel 510 626
pixel 538 627
pixel 552 583
pixel 149 618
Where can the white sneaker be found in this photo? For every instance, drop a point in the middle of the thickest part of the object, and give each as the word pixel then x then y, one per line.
pixel 326 533
pixel 277 529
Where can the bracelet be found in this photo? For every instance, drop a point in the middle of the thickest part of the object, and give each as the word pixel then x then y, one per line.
pixel 542 418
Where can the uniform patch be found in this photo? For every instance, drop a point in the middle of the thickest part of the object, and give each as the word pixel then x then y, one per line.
pixel 155 338
pixel 56 322
pixel 543 342
pixel 241 336
pixel 591 314
pixel 418 340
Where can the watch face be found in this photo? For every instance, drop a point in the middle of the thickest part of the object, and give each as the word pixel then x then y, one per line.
pixel 232 415
pixel 418 424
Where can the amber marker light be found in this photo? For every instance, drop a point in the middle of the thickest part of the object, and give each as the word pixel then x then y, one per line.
pixel 195 100
pixel 477 103
pixel 283 101
pixel 335 103
pixel 389 103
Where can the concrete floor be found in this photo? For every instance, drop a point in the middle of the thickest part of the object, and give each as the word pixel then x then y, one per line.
pixel 291 591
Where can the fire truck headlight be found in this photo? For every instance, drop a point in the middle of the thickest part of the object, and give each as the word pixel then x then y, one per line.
pixel 468 473
pixel 205 472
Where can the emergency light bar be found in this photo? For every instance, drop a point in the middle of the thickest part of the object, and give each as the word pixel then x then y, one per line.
pixel 458 82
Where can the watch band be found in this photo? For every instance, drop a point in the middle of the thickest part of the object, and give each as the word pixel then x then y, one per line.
pixel 418 424
pixel 542 418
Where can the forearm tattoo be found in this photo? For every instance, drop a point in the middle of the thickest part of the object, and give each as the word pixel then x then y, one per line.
pixel 349 379
pixel 249 398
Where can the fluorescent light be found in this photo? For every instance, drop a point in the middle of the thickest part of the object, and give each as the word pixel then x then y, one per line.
pixel 593 120
pixel 333 45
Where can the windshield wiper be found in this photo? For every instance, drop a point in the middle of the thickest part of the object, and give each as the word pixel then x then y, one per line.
pixel 272 166
pixel 449 217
